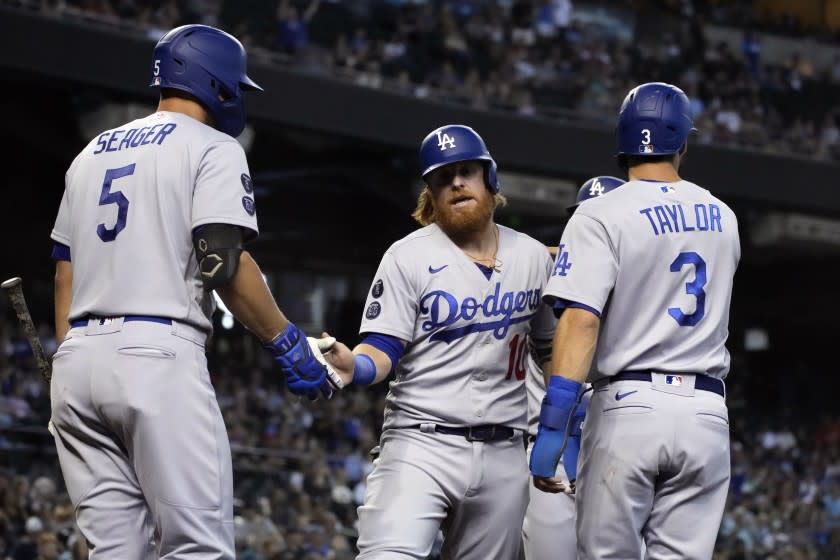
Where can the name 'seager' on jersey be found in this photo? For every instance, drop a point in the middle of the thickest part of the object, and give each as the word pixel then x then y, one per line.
pixel 115 140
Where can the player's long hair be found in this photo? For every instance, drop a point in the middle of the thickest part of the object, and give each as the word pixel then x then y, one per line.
pixel 424 212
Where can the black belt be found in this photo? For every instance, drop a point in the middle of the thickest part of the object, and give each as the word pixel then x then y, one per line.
pixel 84 321
pixel 487 432
pixel 701 382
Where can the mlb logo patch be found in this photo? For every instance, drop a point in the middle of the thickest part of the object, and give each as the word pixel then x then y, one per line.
pixel 157 81
pixel 667 189
pixel 675 380
pixel 645 149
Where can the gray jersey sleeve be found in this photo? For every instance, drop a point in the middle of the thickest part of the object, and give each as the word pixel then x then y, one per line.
pixel 223 191
pixel 391 306
pixel 61 230
pixel 589 280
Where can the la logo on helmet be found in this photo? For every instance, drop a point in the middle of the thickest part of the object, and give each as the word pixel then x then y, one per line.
pixel 597 189
pixel 445 141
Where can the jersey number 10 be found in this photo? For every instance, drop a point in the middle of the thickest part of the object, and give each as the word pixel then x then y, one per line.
pixel 114 197
pixel 518 355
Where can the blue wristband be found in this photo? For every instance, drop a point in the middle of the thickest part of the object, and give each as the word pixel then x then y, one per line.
pixel 364 370
pixel 559 403
pixel 561 389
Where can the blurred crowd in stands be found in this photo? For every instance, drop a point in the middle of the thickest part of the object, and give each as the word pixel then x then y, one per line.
pixel 300 467
pixel 535 57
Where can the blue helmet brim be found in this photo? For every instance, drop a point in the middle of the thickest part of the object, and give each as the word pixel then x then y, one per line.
pixel 247 83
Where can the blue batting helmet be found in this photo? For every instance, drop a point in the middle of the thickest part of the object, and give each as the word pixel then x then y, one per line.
pixel 654 120
pixel 593 188
pixel 456 142
pixel 210 65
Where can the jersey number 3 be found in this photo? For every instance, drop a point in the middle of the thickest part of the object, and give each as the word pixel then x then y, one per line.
pixel 694 288
pixel 114 197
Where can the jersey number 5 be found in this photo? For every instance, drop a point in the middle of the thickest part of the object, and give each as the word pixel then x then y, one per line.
pixel 115 197
pixel 694 288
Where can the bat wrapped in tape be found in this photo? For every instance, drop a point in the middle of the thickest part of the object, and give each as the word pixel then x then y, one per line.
pixel 14 289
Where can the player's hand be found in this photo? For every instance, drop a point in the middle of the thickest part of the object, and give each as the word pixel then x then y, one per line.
pixel 320 347
pixel 553 485
pixel 548 454
pixel 305 375
pixel 545 454
pixel 341 359
pixel 552 250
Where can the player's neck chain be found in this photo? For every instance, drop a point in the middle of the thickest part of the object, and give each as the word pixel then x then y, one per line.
pixel 491 262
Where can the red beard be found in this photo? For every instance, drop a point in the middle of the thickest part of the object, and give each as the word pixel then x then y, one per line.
pixel 458 223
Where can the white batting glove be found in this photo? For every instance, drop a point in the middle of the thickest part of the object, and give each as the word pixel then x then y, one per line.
pixel 321 346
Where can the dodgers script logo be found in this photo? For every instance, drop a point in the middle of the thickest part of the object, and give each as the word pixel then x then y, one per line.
pixel 445 141
pixel 445 310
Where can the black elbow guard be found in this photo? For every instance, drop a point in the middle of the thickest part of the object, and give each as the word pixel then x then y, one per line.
pixel 541 350
pixel 217 250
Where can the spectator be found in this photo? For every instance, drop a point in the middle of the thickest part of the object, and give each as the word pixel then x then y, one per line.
pixel 26 547
pixel 292 28
pixel 552 17
pixel 751 49
pixel 48 547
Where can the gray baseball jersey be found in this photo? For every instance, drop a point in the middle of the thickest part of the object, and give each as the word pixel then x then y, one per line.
pixel 657 261
pixel 131 201
pixel 465 362
pixel 140 438
pixel 464 365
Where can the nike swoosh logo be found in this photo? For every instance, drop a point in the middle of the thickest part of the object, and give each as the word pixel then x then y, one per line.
pixel 436 270
pixel 619 396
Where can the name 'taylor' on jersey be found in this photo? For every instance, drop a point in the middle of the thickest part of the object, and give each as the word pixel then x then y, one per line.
pixel 676 218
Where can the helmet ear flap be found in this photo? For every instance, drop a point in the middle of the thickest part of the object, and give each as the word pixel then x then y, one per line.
pixel 491 176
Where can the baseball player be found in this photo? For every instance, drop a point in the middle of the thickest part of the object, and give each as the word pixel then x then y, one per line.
pixel 548 531
pixel 644 279
pixel 153 217
pixel 451 311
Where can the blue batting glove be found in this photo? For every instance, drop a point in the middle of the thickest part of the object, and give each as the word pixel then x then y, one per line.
pixel 570 454
pixel 312 394
pixel 305 375
pixel 558 405
pixel 546 451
